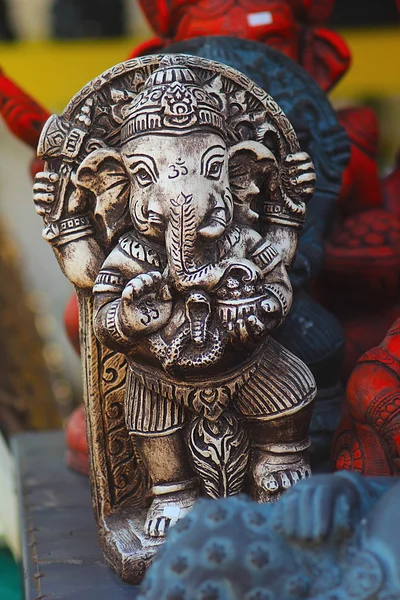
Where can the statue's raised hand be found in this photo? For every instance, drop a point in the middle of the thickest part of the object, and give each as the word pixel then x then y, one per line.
pixel 44 192
pixel 317 508
pixel 52 201
pixel 247 331
pixel 68 227
pixel 299 177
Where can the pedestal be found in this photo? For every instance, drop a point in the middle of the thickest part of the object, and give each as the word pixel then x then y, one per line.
pixel 61 555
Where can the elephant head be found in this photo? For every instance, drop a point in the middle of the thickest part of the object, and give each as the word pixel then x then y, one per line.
pixel 182 191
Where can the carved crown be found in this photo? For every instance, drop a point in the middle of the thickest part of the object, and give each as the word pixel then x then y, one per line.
pixel 172 101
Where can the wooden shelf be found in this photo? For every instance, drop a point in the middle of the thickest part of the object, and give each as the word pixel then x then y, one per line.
pixel 61 555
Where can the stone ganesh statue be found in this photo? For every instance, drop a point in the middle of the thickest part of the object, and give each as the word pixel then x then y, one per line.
pixel 173 196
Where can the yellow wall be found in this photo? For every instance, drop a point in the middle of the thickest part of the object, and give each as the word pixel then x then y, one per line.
pixel 52 72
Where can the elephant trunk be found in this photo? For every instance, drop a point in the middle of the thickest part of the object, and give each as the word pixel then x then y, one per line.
pixel 187 268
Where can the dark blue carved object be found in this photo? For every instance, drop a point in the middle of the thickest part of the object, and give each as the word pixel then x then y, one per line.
pixel 310 331
pixel 332 537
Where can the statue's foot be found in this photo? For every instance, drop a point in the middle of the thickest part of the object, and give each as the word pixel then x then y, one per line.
pixel 272 474
pixel 171 503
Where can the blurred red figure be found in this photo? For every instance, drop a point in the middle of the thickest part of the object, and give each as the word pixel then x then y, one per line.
pixel 295 27
pixel 360 282
pixel 368 437
pixel 23 116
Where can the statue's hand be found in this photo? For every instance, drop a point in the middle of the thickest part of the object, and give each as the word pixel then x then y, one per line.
pixel 146 304
pixel 317 508
pixel 247 332
pixel 44 192
pixel 299 176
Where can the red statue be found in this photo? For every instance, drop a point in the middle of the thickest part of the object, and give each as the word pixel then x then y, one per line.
pixel 368 437
pixel 359 283
pixel 295 27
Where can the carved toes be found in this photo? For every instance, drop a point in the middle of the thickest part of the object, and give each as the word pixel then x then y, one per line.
pixel 283 480
pixel 158 527
pixel 272 475
pixel 271 483
pixel 167 509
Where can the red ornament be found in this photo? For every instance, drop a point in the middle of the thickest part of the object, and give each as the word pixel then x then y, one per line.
pixel 71 322
pixel 23 116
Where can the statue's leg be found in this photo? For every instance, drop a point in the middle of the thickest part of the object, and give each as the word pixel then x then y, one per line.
pixel 175 487
pixel 156 423
pixel 276 404
pixel 280 456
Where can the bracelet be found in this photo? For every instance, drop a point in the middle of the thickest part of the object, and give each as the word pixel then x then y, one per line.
pixel 265 256
pixel 112 324
pixel 280 215
pixel 68 229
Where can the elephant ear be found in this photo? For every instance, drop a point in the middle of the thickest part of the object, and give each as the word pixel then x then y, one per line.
pixel 250 164
pixel 325 55
pixel 103 173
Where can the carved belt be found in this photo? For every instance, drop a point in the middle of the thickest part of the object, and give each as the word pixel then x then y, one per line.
pixel 209 397
pixel 272 383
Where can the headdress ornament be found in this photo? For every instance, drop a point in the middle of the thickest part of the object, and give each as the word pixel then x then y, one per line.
pixel 173 100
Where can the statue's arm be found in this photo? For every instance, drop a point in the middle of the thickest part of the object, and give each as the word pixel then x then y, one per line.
pixel 106 324
pixel 276 282
pixel 72 235
pixel 284 210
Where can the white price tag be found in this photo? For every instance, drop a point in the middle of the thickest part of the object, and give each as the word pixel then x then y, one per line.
pixel 260 18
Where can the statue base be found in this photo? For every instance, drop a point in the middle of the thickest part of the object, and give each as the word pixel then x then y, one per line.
pixel 126 549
